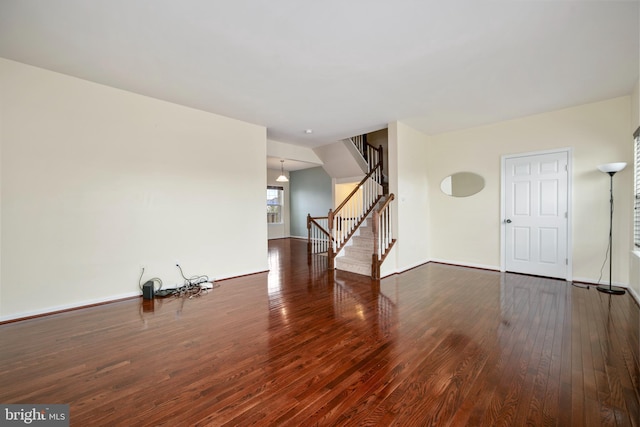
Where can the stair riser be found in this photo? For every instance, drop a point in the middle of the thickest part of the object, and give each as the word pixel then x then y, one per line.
pixel 361 255
pixel 354 268
pixel 358 259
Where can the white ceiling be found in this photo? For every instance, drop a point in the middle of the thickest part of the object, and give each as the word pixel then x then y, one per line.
pixel 289 165
pixel 338 67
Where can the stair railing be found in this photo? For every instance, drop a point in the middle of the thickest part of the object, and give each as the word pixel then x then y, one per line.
pixel 331 233
pixel 383 239
pixel 371 154
pixel 347 217
pixel 318 234
pixel 360 141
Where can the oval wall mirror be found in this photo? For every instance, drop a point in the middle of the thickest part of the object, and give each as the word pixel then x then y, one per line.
pixel 462 184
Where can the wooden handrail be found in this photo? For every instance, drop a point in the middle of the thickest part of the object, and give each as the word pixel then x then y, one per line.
pixel 313 221
pixel 364 216
pixel 318 237
pixel 386 203
pixel 357 187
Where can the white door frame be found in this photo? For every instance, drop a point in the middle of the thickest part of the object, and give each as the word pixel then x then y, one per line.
pixel 503 234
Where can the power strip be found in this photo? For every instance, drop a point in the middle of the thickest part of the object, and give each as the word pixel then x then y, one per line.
pixel 202 282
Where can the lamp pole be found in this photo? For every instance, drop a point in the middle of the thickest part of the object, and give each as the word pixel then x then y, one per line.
pixel 611 169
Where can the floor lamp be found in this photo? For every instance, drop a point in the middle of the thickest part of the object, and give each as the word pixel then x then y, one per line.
pixel 611 169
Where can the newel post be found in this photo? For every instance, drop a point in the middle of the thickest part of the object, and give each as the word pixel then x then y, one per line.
pixel 375 263
pixel 308 234
pixel 330 254
pixel 385 186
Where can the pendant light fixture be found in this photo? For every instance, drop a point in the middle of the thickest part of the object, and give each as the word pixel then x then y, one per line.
pixel 282 177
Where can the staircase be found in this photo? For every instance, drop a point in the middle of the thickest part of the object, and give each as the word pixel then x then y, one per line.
pixel 357 235
pixel 356 256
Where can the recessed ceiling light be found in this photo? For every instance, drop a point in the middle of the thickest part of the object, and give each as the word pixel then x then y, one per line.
pixel 308 131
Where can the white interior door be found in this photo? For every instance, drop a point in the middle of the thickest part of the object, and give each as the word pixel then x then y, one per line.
pixel 536 214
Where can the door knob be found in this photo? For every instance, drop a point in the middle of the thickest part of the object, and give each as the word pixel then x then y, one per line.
pixel 507 221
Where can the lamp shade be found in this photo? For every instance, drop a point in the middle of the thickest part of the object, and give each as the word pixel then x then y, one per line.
pixel 282 177
pixel 612 167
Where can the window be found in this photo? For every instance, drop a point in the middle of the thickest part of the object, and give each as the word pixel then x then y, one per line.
pixel 274 204
pixel 636 178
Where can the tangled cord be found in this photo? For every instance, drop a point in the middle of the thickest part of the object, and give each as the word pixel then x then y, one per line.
pixel 191 290
pixel 192 285
pixel 193 280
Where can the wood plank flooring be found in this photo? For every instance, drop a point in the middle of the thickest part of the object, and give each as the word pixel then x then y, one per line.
pixel 435 346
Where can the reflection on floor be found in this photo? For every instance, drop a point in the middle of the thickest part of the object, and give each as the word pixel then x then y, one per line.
pixel 436 345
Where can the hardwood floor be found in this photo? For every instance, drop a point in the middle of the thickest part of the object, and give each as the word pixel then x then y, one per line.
pixel 438 345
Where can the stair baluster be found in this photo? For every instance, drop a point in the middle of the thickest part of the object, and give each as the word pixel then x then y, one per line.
pixel 383 239
pixel 317 234
pixel 343 222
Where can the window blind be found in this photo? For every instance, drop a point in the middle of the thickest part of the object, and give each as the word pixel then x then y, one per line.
pixel 636 177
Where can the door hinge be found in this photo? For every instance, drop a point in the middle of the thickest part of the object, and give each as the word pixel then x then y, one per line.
pixel 566 261
pixel 566 215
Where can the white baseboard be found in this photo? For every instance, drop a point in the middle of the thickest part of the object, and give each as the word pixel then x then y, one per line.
pixel 592 282
pixel 634 294
pixel 466 264
pixel 441 261
pixel 80 304
pixel 403 269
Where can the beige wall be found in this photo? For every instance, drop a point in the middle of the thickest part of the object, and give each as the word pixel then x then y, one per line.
pixel 341 191
pixel 97 182
pixel 467 230
pixel 634 257
pixel 408 180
